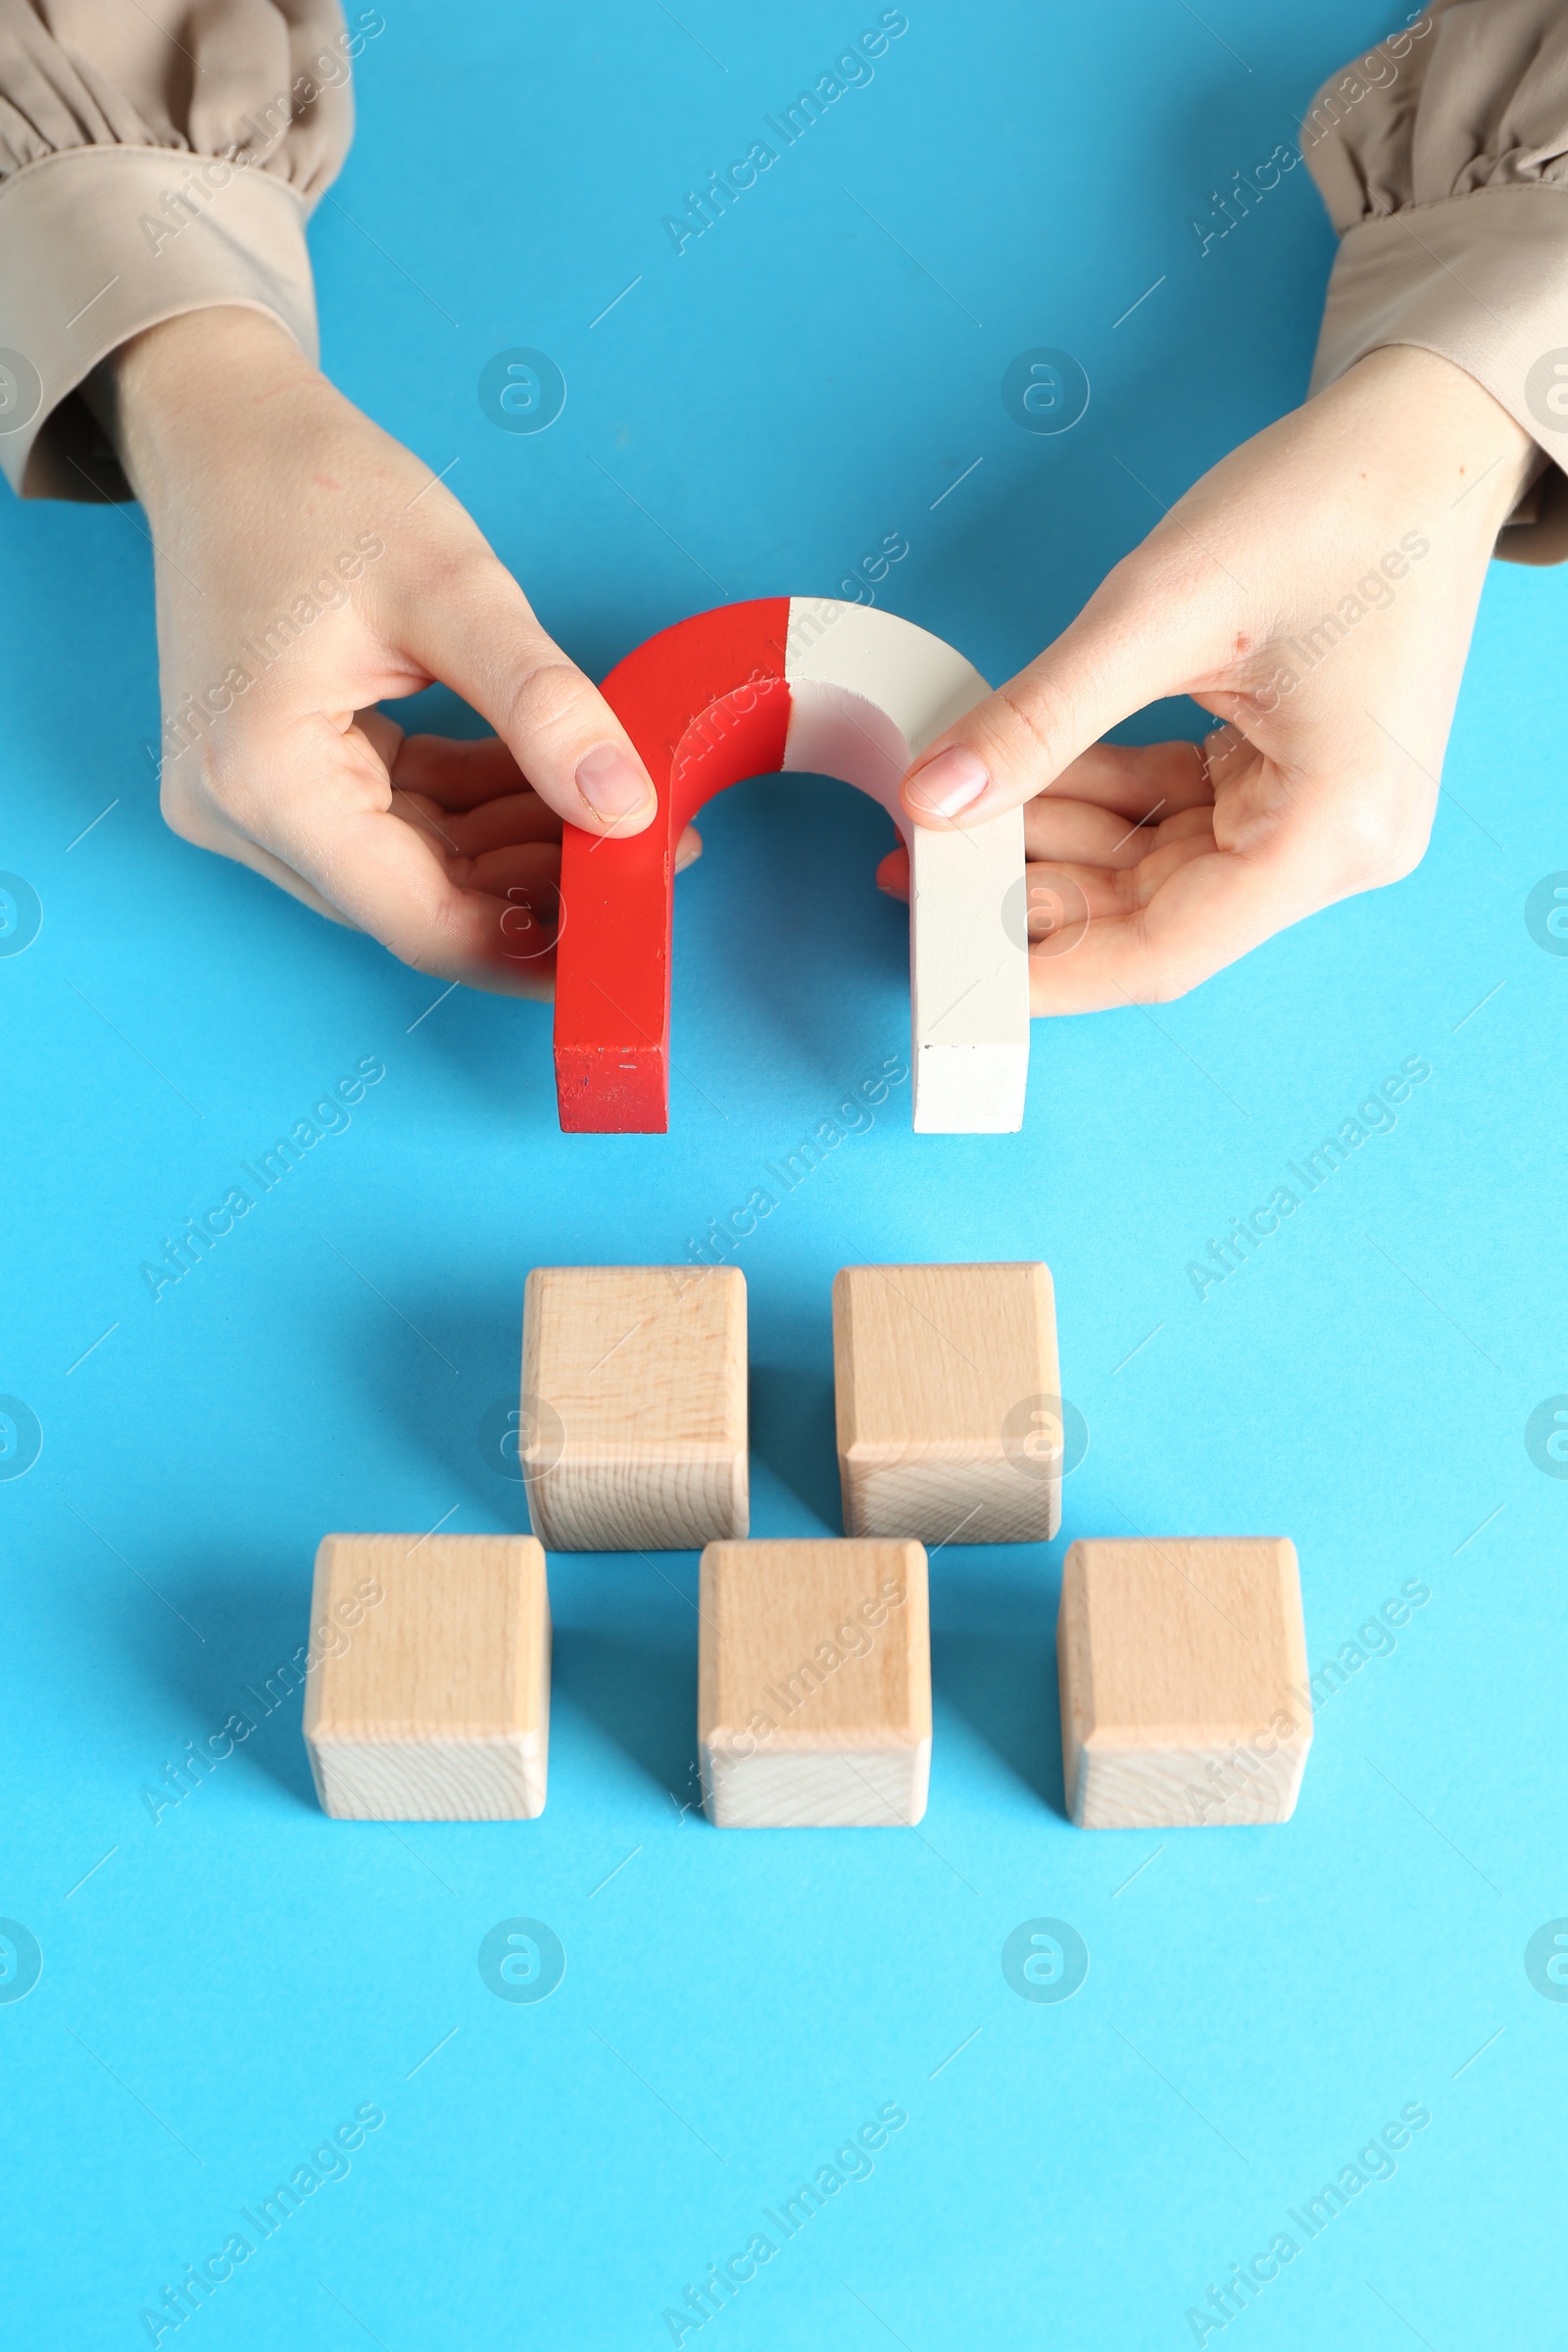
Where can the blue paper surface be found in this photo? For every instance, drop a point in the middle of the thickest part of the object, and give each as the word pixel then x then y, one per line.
pixel 226 1977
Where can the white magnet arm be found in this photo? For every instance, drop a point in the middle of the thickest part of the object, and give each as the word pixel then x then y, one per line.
pixel 868 691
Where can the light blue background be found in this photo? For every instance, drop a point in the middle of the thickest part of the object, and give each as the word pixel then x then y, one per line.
pixel 239 1976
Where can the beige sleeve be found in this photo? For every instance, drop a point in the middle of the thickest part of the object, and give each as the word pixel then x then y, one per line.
pixel 156 157
pixel 1443 158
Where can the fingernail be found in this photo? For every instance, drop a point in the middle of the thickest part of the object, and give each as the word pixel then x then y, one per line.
pixel 953 778
pixel 611 783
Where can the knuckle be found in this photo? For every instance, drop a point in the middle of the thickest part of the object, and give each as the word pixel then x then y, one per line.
pixel 1162 976
pixel 454 562
pixel 185 796
pixel 1170 572
pixel 1383 841
pixel 178 808
pixel 227 785
pixel 453 573
pixel 1405 851
pixel 547 694
pixel 1024 726
pixel 1166 984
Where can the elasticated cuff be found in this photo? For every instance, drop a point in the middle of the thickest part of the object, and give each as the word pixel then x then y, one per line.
pixel 1482 280
pixel 97 243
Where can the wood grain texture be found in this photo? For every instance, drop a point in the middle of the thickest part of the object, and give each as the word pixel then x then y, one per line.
pixel 1184 1682
pixel 815 1684
pixel 634 1406
pixel 427 1687
pixel 946 1393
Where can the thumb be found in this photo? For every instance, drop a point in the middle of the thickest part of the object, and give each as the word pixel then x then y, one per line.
pixel 479 635
pixel 1127 648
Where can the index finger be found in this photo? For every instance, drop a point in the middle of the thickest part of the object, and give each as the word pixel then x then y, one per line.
pixel 1134 779
pixel 322 827
pixel 460 772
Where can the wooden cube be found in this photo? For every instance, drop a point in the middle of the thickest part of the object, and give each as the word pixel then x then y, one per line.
pixel 1184 1690
pixel 428 1683
pixel 950 1424
pixel 814 1706
pixel 634 1406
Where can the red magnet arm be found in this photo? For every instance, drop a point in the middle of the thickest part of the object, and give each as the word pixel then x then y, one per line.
pixel 705 703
